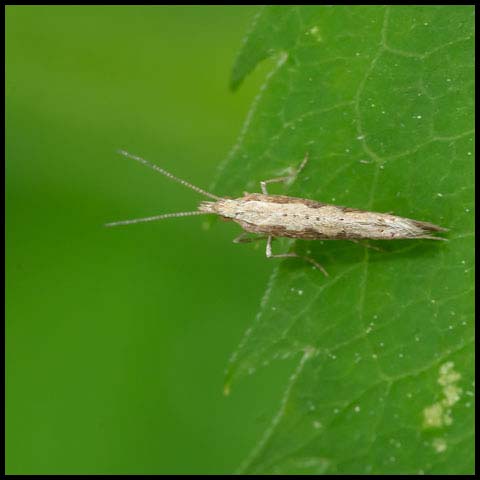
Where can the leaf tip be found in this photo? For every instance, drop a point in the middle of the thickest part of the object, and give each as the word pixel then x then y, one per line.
pixel 235 81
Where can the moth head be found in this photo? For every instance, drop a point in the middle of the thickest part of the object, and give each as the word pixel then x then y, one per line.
pixel 207 207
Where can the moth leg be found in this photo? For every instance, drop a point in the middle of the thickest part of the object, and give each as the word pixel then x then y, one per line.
pixel 292 254
pixel 292 176
pixel 367 245
pixel 244 238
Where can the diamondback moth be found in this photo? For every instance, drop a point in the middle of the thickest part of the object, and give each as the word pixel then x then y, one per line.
pixel 270 216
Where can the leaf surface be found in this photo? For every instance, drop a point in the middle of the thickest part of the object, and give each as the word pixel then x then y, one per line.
pixel 382 100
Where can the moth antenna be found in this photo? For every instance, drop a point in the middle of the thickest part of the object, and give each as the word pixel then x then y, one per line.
pixel 168 174
pixel 156 217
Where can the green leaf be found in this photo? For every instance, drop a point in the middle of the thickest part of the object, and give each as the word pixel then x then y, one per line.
pixel 382 99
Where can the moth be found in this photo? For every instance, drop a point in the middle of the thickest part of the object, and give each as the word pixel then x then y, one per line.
pixel 271 216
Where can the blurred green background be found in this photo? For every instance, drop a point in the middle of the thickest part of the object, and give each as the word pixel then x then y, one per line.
pixel 117 339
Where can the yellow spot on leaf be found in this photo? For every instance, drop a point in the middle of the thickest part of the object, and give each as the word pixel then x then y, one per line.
pixel 439 414
pixel 439 444
pixel 315 33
